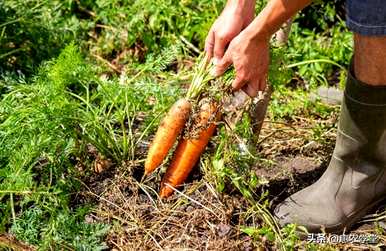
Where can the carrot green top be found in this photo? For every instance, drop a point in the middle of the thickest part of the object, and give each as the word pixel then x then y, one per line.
pixel 201 77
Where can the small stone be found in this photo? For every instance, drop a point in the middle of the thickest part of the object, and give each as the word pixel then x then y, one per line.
pixel 328 95
pixel 189 209
pixel 223 229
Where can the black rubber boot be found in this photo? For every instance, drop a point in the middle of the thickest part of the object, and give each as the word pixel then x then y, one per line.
pixel 355 179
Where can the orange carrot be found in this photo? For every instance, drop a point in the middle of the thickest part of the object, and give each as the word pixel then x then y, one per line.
pixel 167 133
pixel 189 150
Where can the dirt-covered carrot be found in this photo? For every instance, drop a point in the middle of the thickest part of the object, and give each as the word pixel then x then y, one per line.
pixel 189 150
pixel 167 133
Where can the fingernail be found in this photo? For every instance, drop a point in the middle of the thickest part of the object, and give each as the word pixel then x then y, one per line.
pixel 260 95
pixel 216 61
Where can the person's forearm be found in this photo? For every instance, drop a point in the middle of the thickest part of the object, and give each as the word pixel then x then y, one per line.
pixel 241 5
pixel 273 16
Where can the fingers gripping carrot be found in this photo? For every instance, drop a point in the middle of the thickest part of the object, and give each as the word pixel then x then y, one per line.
pixel 189 150
pixel 167 133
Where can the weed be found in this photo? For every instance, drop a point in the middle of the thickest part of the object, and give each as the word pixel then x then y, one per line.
pixel 65 229
pixel 33 31
pixel 45 126
pixel 319 55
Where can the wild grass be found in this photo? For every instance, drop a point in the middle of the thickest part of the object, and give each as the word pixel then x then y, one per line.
pixel 33 31
pixel 45 127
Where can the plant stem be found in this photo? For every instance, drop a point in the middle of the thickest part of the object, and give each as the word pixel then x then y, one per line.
pixel 316 61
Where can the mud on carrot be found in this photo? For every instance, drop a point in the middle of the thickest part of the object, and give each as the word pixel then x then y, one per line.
pixel 189 150
pixel 171 126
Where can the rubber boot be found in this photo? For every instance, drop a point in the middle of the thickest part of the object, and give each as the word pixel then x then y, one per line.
pixel 355 179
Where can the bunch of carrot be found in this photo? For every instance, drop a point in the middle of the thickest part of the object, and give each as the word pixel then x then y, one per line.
pixel 189 149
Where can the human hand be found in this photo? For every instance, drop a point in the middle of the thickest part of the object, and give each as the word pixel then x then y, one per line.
pixel 249 50
pixel 234 18
pixel 250 58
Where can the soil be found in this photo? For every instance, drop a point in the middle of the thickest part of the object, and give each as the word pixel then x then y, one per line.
pixel 201 218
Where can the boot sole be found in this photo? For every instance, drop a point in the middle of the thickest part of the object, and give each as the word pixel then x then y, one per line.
pixel 336 229
pixel 354 219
